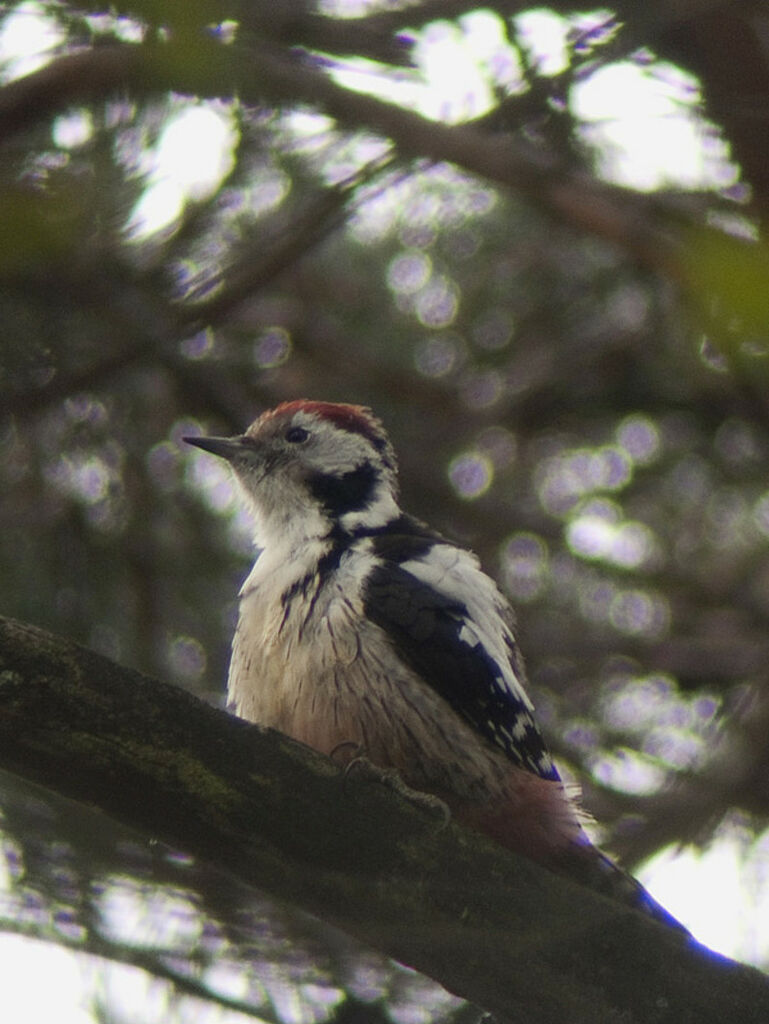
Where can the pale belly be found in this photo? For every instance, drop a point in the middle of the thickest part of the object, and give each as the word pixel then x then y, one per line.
pixel 338 687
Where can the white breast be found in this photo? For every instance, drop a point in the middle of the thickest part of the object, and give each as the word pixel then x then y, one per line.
pixel 296 639
pixel 325 675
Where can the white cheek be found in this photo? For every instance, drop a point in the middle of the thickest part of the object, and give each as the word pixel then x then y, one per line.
pixel 334 451
pixel 282 513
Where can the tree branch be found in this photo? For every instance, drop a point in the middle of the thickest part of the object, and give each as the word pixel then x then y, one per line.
pixel 496 929
pixel 260 73
pixel 115 952
pixel 658 232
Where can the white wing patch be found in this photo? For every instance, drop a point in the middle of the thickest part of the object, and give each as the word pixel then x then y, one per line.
pixel 457 574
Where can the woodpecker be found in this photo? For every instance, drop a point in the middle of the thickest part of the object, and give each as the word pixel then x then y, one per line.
pixel 361 629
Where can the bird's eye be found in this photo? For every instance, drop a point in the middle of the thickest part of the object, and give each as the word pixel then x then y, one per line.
pixel 295 435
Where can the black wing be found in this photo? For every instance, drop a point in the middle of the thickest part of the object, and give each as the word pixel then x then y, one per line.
pixel 426 630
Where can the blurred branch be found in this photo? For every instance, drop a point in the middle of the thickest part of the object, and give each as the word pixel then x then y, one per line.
pixel 288 23
pixel 258 73
pixel 735 778
pixel 72 78
pixel 374 36
pixel 151 325
pixel 615 214
pixel 259 260
pixel 657 232
pixel 492 927
pixel 146 960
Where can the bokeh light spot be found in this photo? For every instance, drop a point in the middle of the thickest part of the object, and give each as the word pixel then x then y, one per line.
pixel 198 345
pixel 525 566
pixel 213 480
pixel 194 153
pixel 564 479
pixel 471 474
pixel 186 657
pixel 272 347
pixel 86 477
pixel 73 129
pixel 482 389
pixel 628 545
pixel 438 302
pixel 27 36
pixel 736 442
pixel 638 613
pixel 409 272
pixel 437 356
pixel 163 461
pixel 500 444
pixel 493 329
pixel 628 772
pixel 85 408
pixel 640 438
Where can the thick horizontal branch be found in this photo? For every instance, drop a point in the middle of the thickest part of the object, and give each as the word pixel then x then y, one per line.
pixel 496 929
pixel 657 232
pixel 259 74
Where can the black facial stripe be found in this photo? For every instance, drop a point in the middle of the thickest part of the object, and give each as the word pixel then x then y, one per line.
pixel 350 492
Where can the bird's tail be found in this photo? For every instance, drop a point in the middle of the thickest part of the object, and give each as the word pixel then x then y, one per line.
pixel 587 864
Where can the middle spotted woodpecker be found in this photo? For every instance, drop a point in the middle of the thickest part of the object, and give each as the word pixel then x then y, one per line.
pixel 362 629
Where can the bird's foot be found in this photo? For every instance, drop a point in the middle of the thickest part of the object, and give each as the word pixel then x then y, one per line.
pixel 356 762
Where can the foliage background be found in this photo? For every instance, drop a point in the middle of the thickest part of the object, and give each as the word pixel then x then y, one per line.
pixel 569 351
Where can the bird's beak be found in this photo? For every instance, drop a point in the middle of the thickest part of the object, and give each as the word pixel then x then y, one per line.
pixel 226 447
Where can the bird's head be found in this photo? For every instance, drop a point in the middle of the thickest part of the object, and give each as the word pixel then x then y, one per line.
pixel 308 467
